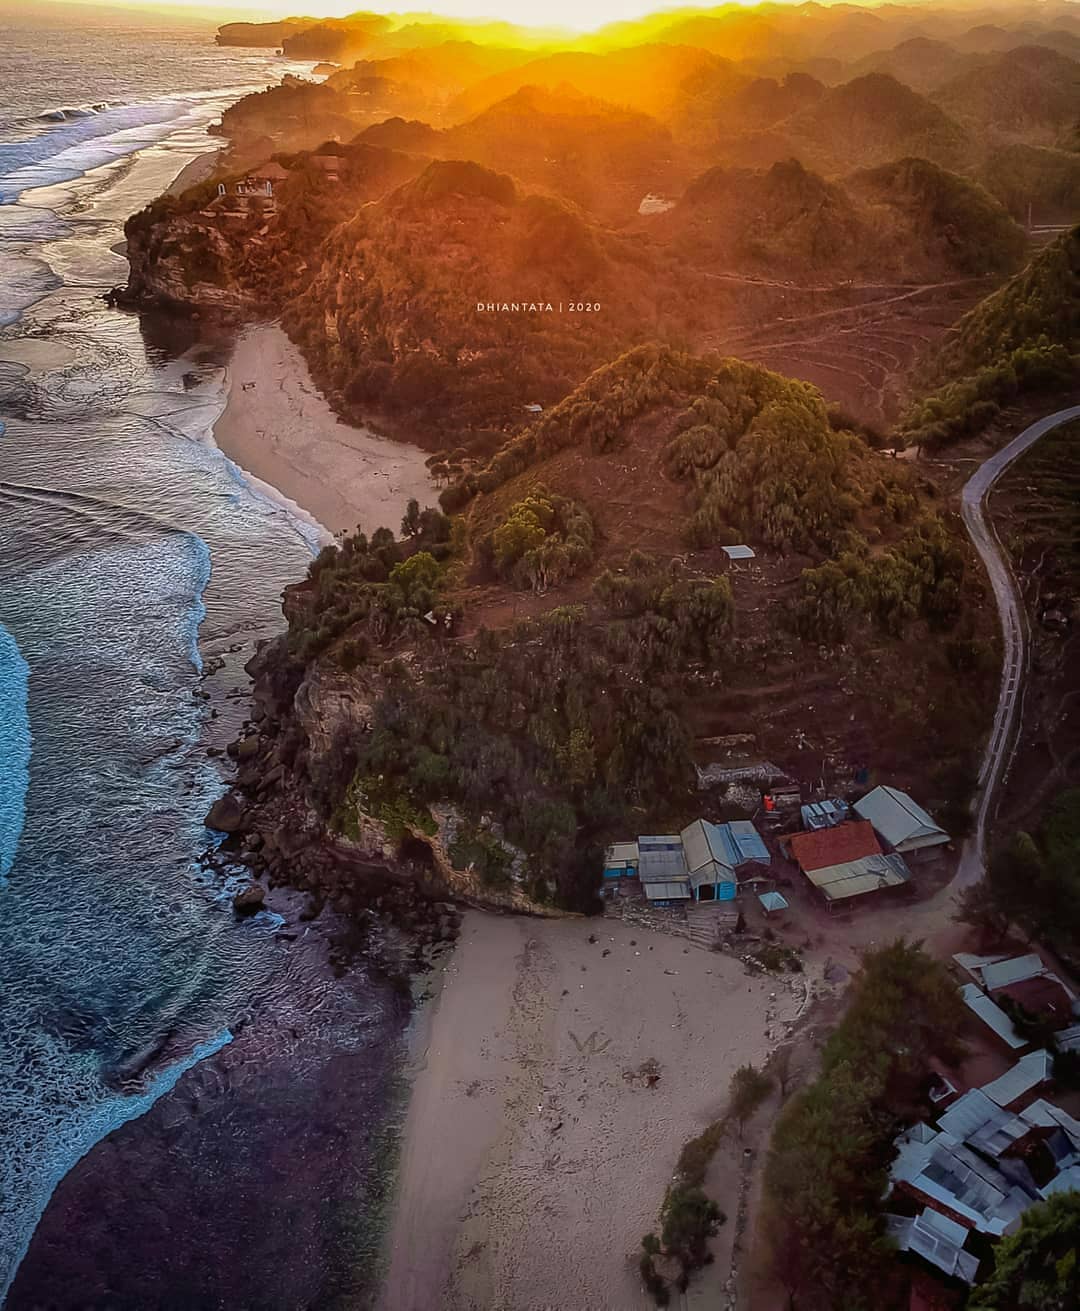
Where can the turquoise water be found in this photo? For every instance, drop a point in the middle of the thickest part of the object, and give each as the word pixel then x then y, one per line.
pixel 137 571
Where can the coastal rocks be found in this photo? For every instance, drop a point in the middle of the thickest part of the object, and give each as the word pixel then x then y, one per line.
pixel 249 899
pixel 226 815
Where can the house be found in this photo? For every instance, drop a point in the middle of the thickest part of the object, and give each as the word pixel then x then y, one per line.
pixel 901 823
pixel 262 180
pixel 701 862
pixel 1023 980
pixel 1030 1072
pixel 846 861
pixel 991 1015
pixel 936 1239
pixel 662 869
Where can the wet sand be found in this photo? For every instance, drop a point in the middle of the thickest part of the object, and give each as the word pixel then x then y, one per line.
pixel 535 1155
pixel 278 426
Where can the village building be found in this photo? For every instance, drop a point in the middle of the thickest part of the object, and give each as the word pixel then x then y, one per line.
pixel 824 814
pixel 1023 981
pixel 901 823
pixel 936 1239
pixel 699 864
pixel 846 861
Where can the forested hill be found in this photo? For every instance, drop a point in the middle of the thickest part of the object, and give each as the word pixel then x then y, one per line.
pixel 1024 338
pixel 589 629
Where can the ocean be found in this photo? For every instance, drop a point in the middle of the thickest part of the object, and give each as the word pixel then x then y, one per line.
pixel 138 568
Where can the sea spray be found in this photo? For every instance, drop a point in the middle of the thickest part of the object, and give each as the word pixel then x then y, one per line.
pixel 14 747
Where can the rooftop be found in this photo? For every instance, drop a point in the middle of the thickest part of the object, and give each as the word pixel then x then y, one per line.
pixel 828 847
pixel 901 821
pixel 854 877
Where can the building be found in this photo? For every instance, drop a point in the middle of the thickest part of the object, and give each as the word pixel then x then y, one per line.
pixel 331 166
pixel 991 1015
pixel 701 863
pixel 935 1238
pixel 1024 981
pixel 901 823
pixel 824 814
pixel 846 861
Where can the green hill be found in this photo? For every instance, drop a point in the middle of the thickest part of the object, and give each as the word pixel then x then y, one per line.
pixel 1023 338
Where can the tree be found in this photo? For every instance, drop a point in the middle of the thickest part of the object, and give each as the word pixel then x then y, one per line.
pixel 1038 1268
pixel 410 523
pixel 749 1088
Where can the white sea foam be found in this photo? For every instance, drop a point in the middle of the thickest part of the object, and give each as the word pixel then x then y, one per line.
pixel 15 744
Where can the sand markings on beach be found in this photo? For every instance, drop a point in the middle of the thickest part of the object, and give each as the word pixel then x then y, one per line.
pixel 536 1153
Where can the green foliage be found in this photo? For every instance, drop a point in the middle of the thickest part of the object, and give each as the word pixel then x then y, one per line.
pixel 918 578
pixel 828 1161
pixel 383 800
pixel 1037 1268
pixel 543 540
pixel 1021 339
pixel 375 591
pixel 1033 881
pixel 477 849
pixel 749 1088
pixel 689 1219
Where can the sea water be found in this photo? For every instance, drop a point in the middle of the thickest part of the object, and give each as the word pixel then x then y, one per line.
pixel 131 554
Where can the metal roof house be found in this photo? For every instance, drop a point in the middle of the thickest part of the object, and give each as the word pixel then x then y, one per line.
pixel 991 1015
pixel 900 822
pixel 936 1239
pixel 699 863
pixel 1030 1072
pixel 846 861
pixel 824 814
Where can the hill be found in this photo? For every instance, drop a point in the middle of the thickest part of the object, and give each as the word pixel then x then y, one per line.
pixel 907 219
pixel 872 120
pixel 1032 93
pixel 1044 180
pixel 920 63
pixel 594 636
pixel 941 220
pixel 395 318
pixel 1023 338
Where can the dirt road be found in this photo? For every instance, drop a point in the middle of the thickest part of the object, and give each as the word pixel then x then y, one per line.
pixel 1013 625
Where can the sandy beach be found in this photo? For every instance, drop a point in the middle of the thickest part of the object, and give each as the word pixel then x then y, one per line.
pixel 535 1154
pixel 278 427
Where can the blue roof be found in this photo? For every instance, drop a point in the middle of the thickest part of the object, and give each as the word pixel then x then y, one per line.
pixel 745 843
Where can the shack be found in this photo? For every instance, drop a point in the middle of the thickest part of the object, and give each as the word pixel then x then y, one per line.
pixel 902 824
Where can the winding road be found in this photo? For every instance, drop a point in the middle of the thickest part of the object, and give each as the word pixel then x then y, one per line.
pixel 1013 627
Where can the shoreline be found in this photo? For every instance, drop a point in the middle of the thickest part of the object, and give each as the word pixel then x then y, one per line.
pixel 278 428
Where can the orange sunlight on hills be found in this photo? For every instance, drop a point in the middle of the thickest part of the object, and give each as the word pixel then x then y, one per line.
pixel 577 15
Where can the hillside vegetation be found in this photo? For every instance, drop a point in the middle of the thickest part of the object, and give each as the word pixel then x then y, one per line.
pixel 1024 338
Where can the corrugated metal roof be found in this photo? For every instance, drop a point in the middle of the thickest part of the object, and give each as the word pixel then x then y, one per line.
pixel 676 890
pixel 976 1119
pixel 947 1172
pixel 855 877
pixel 704 845
pixel 738 552
pixel 901 821
pixel 1005 972
pixel 824 814
pixel 991 1014
pixel 748 843
pixel 772 900
pixel 936 1239
pixel 1068 1040
pixel 1028 1072
pixel 1066 1181
pixel 661 865
pixel 833 846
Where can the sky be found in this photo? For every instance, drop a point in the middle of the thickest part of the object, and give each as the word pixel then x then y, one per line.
pixel 578 14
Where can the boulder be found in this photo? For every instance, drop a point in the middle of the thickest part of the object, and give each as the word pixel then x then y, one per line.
pixel 226 814
pixel 249 899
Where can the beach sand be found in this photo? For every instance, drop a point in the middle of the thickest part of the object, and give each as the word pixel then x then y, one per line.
pixel 535 1157
pixel 198 170
pixel 277 426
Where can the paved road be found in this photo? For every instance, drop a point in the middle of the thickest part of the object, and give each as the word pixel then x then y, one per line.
pixel 1014 632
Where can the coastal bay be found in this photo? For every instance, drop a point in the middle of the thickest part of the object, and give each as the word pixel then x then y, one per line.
pixel 277 426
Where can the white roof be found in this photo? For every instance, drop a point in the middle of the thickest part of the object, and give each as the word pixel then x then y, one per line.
pixel 1002 973
pixel 991 1014
pixel 619 853
pixel 944 1170
pixel 738 552
pixel 1028 1072
pixel 901 821
pixel 978 1121
pixel 773 900
pixel 1066 1181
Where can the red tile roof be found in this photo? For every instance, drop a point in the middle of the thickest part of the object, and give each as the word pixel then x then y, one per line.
pixel 834 846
